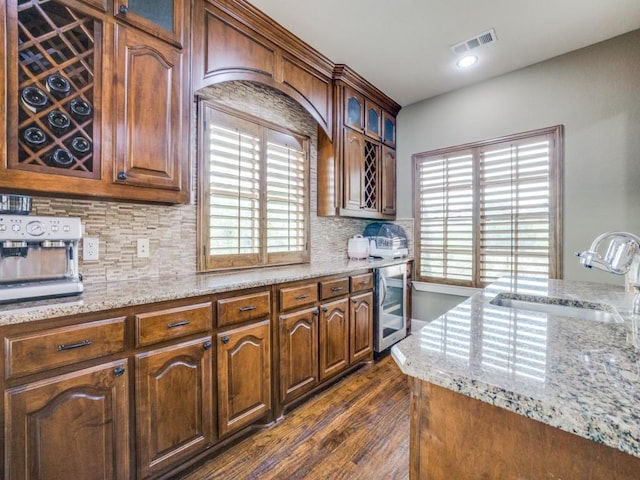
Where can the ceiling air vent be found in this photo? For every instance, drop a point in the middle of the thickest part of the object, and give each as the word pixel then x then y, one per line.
pixel 484 38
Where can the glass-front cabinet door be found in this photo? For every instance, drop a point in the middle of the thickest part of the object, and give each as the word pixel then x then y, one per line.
pixel 388 129
pixel 373 118
pixel 161 18
pixel 353 110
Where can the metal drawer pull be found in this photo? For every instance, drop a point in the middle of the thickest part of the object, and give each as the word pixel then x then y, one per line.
pixel 71 346
pixel 336 289
pixel 178 324
pixel 247 309
pixel 303 296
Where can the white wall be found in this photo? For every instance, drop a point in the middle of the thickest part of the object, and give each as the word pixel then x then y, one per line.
pixel 594 92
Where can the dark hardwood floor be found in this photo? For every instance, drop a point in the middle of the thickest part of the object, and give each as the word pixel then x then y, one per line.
pixel 357 429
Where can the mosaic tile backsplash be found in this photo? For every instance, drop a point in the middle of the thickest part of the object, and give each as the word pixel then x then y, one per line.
pixel 171 230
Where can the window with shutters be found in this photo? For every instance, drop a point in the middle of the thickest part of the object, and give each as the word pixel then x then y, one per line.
pixel 254 192
pixel 490 209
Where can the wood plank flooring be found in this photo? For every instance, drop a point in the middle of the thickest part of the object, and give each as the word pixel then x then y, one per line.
pixel 358 429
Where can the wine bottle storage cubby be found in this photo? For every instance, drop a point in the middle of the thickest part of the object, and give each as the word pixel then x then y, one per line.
pixel 370 175
pixel 57 58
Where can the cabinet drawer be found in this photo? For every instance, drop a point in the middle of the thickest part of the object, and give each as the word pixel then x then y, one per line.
pixel 244 308
pixel 292 297
pixel 361 282
pixel 38 351
pixel 334 288
pixel 162 325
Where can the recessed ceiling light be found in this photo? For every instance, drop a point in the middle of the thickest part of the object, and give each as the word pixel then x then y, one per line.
pixel 467 61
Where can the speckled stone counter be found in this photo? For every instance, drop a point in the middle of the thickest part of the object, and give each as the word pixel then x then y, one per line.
pixel 574 374
pixel 98 297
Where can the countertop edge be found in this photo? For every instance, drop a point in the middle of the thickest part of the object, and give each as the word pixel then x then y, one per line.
pixel 109 296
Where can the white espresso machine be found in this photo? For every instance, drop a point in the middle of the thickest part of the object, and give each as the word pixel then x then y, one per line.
pixel 38 257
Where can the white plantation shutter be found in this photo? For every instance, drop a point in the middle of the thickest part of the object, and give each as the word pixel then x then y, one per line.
pixel 489 210
pixel 515 209
pixel 446 216
pixel 234 192
pixel 286 194
pixel 254 207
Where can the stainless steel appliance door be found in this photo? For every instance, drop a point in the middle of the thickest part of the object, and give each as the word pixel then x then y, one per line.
pixel 390 320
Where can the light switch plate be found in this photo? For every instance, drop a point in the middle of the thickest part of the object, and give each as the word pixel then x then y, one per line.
pixel 143 248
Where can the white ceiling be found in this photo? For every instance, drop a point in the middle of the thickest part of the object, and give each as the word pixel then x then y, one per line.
pixel 403 46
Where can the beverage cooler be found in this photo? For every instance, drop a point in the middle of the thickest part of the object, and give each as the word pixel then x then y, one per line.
pixel 390 305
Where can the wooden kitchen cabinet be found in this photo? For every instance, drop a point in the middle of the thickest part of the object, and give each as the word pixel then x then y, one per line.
pixel 71 426
pixel 151 133
pixel 334 337
pixel 244 376
pixel 353 110
pixel 361 327
pixel 388 181
pixel 165 19
pixel 356 171
pixel 373 119
pixel 298 339
pixel 235 41
pixel 330 333
pixel 174 405
pixel 388 129
pixel 114 122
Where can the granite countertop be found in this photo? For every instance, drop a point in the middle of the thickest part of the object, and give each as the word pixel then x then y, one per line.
pixel 578 375
pixel 106 296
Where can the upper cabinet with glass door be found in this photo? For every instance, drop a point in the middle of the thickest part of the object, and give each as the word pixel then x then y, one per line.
pixel 373 118
pixel 161 18
pixel 388 129
pixel 353 110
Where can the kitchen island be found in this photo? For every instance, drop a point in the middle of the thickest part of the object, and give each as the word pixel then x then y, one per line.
pixel 500 393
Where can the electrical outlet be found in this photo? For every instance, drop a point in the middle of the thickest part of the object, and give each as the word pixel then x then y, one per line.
pixel 90 249
pixel 143 248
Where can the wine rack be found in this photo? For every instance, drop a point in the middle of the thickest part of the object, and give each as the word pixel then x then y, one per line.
pixel 57 97
pixel 370 175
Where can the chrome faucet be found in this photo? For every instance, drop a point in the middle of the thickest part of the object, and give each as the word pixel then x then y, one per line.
pixel 621 258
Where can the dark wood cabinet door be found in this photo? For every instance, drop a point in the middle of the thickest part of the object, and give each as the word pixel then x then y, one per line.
pixel 353 170
pixel 174 405
pixel 361 328
pixel 353 110
pixel 388 181
pixel 244 376
pixel 334 337
pixel 373 120
pixel 73 426
pixel 388 129
pixel 164 19
pixel 150 134
pixel 298 334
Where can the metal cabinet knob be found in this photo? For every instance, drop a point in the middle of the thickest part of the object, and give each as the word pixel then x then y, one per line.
pixel 124 9
pixel 122 175
pixel 207 345
pixel 118 371
pixel 225 339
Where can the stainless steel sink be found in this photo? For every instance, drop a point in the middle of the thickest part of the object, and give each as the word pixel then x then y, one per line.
pixel 559 306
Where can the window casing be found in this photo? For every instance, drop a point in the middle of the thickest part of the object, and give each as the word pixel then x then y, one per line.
pixel 490 209
pixel 254 206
